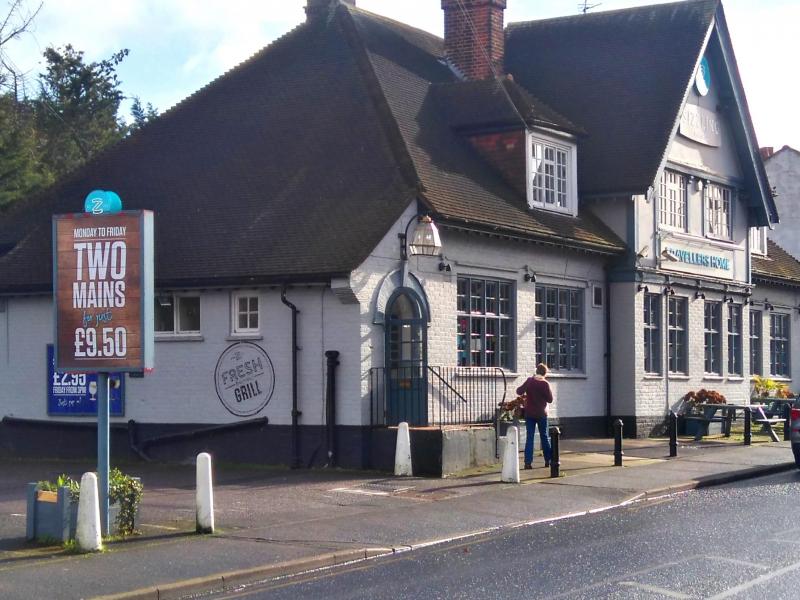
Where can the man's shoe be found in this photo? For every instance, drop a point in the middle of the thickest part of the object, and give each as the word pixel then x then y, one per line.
pixel 547 463
pixel 528 466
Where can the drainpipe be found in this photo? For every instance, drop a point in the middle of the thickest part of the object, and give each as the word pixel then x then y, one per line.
pixel 330 406
pixel 295 413
pixel 608 343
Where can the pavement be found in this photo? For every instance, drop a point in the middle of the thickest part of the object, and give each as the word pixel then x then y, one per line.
pixel 277 522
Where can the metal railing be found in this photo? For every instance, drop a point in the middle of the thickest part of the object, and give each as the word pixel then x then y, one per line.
pixel 436 395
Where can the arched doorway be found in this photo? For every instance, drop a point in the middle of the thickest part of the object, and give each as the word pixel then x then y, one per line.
pixel 406 358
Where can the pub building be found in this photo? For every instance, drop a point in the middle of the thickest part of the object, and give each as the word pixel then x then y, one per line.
pixel 365 224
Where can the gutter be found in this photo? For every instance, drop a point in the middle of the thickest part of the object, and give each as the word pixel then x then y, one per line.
pixel 295 413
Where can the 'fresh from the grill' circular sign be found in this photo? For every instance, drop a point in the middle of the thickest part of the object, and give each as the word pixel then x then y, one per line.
pixel 244 379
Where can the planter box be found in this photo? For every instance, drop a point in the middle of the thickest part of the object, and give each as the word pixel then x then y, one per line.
pixel 53 515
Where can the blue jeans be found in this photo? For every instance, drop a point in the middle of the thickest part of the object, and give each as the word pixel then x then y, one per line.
pixel 530 428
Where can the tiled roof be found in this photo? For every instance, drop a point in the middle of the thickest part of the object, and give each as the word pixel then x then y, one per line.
pixel 457 184
pixel 778 266
pixel 623 73
pixel 295 164
pixel 475 105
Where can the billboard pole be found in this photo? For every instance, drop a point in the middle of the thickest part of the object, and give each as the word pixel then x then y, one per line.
pixel 103 453
pixel 103 290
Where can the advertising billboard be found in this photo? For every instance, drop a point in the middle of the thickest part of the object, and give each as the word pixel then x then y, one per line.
pixel 103 288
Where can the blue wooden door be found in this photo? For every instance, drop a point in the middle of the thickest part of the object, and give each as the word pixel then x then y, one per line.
pixel 406 360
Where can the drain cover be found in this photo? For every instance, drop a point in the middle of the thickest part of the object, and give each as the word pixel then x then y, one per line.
pixel 375 488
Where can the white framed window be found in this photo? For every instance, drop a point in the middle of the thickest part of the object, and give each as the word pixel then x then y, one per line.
pixel 559 319
pixel 552 174
pixel 719 218
pixel 245 313
pixel 758 240
pixel 673 201
pixel 177 314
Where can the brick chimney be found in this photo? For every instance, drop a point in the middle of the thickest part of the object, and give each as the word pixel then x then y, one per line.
pixel 767 152
pixel 320 8
pixel 473 31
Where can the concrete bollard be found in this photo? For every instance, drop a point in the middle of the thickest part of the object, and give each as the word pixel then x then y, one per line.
pixel 402 452
pixel 510 472
pixel 87 530
pixel 204 496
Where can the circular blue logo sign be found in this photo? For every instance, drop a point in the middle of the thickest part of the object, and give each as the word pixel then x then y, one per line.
pixel 102 202
pixel 702 79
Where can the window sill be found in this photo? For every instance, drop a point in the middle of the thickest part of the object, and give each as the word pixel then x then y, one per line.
pixel 474 372
pixel 679 376
pixel 780 378
pixel 653 376
pixel 736 378
pixel 557 375
pixel 240 337
pixel 561 211
pixel 712 377
pixel 179 337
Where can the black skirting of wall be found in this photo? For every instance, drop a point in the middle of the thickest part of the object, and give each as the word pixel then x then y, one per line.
pixel 577 427
pixel 253 442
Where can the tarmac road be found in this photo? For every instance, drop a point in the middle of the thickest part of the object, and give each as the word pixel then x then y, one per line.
pixel 740 540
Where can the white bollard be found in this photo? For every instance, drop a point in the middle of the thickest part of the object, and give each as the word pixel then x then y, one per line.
pixel 204 497
pixel 402 452
pixel 511 457
pixel 87 530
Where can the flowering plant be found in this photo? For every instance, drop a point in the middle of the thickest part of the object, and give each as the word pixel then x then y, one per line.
pixel 702 396
pixel 513 409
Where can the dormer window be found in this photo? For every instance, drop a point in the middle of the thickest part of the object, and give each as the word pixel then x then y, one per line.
pixel 552 174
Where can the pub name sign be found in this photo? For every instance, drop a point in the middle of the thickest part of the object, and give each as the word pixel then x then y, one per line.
pixel 104 288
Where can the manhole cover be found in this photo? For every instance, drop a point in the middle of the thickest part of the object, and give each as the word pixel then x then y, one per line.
pixel 375 488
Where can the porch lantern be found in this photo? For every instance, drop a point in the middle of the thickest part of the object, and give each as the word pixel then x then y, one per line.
pixel 425 241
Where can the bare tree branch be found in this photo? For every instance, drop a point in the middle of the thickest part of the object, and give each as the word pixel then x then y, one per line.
pixel 17 21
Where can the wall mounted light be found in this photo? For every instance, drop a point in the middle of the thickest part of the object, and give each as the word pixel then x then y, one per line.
pixel 669 290
pixel 698 293
pixel 768 306
pixel 443 266
pixel 165 301
pixel 425 241
pixel 667 254
pixel 643 288
pixel 529 276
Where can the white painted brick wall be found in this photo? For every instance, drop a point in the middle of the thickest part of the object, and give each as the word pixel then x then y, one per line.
pixel 582 395
pixel 181 388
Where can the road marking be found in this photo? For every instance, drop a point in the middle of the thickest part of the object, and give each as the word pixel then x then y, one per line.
pixel 655 589
pixel 16 515
pixel 365 492
pixel 757 581
pixel 733 561
pixel 150 525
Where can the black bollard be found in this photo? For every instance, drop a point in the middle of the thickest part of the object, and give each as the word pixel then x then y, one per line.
pixel 673 433
pixel 618 443
pixel 555 458
pixel 787 424
pixel 748 421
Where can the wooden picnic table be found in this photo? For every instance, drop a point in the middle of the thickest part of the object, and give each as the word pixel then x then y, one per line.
pixel 758 412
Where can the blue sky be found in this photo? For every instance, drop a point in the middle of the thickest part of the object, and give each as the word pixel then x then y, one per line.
pixel 177 46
